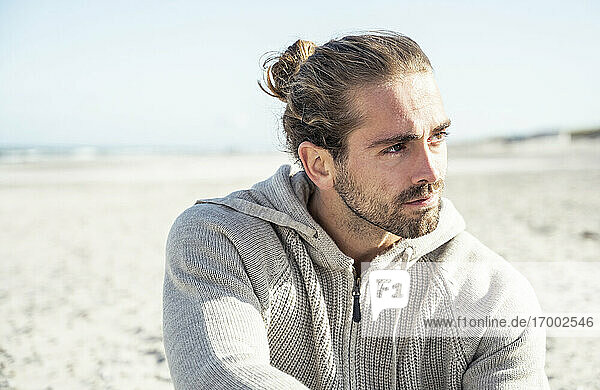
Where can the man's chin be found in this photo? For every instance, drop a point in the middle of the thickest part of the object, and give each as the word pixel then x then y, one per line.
pixel 420 225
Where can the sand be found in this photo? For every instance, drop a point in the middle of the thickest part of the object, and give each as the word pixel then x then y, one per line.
pixel 82 249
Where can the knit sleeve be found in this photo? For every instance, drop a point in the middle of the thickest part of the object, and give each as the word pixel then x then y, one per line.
pixel 513 357
pixel 509 364
pixel 214 334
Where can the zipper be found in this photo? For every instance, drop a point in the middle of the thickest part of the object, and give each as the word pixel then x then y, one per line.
pixel 356 294
pixel 355 318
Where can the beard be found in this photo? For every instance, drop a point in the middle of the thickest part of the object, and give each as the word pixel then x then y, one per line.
pixel 393 216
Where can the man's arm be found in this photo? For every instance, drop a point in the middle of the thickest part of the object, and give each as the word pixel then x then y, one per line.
pixel 509 364
pixel 509 357
pixel 214 334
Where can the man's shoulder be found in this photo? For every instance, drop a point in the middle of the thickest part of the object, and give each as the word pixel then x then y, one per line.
pixel 474 272
pixel 212 233
pixel 211 215
pixel 483 286
pixel 465 251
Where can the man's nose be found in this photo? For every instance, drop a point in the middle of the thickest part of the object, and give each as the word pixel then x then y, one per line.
pixel 427 167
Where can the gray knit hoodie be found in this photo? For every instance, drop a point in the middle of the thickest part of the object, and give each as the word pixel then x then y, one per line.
pixel 258 296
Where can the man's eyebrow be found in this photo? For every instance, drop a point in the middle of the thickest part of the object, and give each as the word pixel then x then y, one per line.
pixel 442 126
pixel 404 138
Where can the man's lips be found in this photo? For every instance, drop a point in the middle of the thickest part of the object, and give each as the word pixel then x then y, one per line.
pixel 424 201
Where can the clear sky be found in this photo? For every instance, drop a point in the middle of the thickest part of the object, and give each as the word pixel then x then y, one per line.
pixel 184 72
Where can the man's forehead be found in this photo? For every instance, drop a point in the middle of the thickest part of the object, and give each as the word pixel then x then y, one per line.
pixel 410 105
pixel 399 97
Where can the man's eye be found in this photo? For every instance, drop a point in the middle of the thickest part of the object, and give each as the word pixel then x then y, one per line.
pixel 437 137
pixel 394 149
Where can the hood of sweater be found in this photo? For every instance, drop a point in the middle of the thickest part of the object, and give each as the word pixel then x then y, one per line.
pixel 282 200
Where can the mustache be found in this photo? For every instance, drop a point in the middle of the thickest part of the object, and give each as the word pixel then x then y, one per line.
pixel 421 191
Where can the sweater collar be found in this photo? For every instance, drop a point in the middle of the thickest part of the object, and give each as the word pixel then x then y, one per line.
pixel 282 199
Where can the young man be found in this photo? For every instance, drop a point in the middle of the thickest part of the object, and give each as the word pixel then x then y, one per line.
pixel 275 287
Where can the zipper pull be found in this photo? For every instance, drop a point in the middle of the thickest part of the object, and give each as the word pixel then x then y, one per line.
pixel 406 257
pixel 356 295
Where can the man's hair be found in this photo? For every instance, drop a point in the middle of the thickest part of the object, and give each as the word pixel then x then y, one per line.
pixel 318 83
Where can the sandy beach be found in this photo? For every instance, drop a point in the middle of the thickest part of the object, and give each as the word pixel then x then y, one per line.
pixel 82 249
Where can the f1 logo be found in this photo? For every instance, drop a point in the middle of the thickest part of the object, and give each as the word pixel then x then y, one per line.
pixel 389 289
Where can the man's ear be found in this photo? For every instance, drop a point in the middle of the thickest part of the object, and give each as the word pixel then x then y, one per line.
pixel 318 164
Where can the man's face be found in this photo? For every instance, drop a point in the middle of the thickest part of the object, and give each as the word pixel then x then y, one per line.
pixel 396 160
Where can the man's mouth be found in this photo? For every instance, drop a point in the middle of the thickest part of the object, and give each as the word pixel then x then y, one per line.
pixel 428 200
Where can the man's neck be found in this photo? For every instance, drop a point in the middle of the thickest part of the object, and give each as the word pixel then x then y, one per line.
pixel 355 237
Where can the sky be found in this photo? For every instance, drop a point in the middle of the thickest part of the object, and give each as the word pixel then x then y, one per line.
pixel 184 73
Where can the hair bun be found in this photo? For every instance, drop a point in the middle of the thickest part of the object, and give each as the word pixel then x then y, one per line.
pixel 279 69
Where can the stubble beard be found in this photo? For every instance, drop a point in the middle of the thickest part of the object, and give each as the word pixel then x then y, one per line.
pixel 393 216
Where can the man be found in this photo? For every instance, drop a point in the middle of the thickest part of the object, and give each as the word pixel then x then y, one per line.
pixel 272 287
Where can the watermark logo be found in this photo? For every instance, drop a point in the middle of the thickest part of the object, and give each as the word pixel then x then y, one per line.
pixel 388 289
